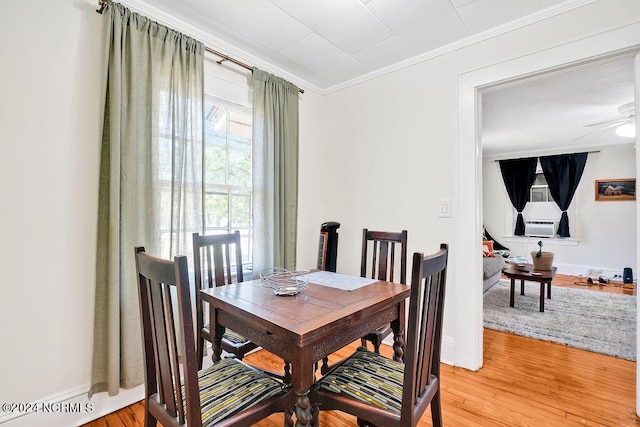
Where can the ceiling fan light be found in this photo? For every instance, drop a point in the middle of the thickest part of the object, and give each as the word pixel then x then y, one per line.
pixel 627 130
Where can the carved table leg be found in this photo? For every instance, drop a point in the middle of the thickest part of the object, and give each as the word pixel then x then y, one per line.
pixel 303 409
pixel 287 372
pixel 288 418
pixel 216 346
pixel 315 413
pixel 398 347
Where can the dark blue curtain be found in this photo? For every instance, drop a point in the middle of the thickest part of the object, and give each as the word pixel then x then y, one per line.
pixel 518 176
pixel 563 173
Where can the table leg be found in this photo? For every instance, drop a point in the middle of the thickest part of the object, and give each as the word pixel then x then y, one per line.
pixel 218 332
pixel 549 290
pixel 398 347
pixel 542 296
pixel 302 377
pixel 511 293
pixel 303 409
pixel 522 287
pixel 398 326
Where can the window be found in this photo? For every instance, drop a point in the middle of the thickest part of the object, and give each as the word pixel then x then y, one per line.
pixel 540 190
pixel 227 171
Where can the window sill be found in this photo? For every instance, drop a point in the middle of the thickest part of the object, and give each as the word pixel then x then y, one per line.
pixel 551 241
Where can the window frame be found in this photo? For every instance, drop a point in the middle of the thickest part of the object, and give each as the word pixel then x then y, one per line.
pixel 227 189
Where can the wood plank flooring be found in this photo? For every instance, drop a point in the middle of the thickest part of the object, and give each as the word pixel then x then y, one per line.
pixel 524 382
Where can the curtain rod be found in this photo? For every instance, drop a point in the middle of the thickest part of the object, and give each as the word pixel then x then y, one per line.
pixel 102 4
pixel 233 60
pixel 588 152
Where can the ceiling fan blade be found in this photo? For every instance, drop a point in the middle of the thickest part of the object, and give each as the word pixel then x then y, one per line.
pixel 608 122
pixel 608 126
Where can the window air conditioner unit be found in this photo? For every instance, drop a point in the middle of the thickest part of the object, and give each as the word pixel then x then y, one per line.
pixel 539 228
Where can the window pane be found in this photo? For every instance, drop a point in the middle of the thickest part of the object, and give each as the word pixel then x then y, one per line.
pixel 245 243
pixel 215 163
pixel 216 125
pixel 240 168
pixel 241 209
pixel 540 179
pixel 217 209
pixel 239 130
pixel 228 173
pixel 538 194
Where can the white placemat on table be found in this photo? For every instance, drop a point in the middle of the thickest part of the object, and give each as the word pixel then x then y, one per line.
pixel 337 280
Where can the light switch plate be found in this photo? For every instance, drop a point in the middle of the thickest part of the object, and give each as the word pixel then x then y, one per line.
pixel 444 208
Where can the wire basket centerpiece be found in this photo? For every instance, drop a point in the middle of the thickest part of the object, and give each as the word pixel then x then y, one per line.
pixel 284 282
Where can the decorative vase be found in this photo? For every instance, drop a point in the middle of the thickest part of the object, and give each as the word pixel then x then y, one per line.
pixel 544 262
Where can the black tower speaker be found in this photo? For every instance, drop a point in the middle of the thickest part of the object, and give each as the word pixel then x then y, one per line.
pixel 328 246
pixel 627 275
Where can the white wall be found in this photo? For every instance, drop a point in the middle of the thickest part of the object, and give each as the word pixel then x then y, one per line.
pixel 605 231
pixel 380 154
pixel 49 114
pixel 389 151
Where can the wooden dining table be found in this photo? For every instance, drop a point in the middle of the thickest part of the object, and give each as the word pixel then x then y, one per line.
pixel 302 329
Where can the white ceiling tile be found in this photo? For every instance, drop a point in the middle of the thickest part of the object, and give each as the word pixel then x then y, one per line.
pixel 387 52
pixel 482 15
pixel 421 24
pixel 458 3
pixel 316 54
pixel 549 3
pixel 348 24
pixel 259 20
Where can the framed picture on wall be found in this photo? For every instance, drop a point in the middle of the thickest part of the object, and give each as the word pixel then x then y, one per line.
pixel 615 189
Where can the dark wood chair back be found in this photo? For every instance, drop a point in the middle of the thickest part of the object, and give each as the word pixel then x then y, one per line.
pixel 383 263
pixel 424 336
pixel 217 261
pixel 163 394
pixel 172 392
pixel 383 266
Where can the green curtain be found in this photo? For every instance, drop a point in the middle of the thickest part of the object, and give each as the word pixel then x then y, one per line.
pixel 150 176
pixel 275 171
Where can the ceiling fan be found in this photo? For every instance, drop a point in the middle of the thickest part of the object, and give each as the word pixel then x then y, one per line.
pixel 625 126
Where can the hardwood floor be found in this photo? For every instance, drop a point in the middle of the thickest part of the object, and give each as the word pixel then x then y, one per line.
pixel 524 382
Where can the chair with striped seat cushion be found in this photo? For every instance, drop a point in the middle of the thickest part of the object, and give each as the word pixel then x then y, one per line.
pixel 230 386
pixel 378 261
pixel 228 393
pixel 217 261
pixel 369 377
pixel 213 259
pixel 381 392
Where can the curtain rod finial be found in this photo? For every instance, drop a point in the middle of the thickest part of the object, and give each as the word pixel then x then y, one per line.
pixel 102 4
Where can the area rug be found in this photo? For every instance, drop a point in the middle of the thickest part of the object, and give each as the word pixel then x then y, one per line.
pixel 595 321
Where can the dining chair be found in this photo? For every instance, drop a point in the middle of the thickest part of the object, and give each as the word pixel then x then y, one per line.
pixel 381 245
pixel 217 261
pixel 382 392
pixel 383 265
pixel 229 392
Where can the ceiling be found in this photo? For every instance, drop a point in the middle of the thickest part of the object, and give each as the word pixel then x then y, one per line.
pixel 554 111
pixel 324 45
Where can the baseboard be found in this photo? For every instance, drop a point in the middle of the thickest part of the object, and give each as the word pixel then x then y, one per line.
pixel 447 351
pixel 589 270
pixel 72 408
